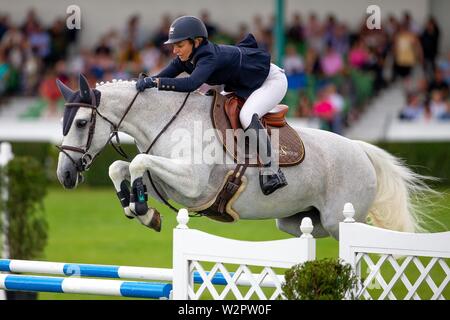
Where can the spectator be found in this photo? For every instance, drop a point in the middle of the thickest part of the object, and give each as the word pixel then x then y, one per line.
pixel 430 44
pixel 341 39
pixel 50 93
pixel 359 55
pixel 161 35
pixel 314 33
pixel 410 24
pixel 444 66
pixel 414 110
pixel 331 62
pixel 438 83
pixel 4 25
pixel 312 61
pixel 438 106
pixel 150 56
pixel 58 41
pixel 337 102
pixel 133 32
pixel 210 27
pixel 40 39
pixel 324 110
pixel 31 23
pixel 293 62
pixel 296 31
pixel 31 72
pixel 4 72
pixel 304 106
pixel 407 52
pixel 130 57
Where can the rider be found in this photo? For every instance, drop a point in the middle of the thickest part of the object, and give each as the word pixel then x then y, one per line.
pixel 244 69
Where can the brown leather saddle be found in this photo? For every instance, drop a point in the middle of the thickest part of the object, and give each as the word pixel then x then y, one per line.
pixel 225 115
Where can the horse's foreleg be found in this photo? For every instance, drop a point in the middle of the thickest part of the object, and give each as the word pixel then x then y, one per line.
pixel 119 173
pixel 175 173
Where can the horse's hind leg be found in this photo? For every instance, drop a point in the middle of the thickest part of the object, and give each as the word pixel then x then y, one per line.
pixel 292 224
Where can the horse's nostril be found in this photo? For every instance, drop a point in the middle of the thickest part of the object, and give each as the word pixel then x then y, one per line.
pixel 67 175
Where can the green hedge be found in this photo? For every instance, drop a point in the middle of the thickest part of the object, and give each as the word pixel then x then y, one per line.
pixel 428 158
pixel 27 188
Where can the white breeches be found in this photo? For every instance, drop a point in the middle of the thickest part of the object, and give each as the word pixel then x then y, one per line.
pixel 264 99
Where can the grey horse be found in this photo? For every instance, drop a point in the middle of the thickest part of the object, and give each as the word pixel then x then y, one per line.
pixel 335 170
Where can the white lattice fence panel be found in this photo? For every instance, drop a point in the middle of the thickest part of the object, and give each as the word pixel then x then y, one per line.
pixel 246 269
pixel 411 277
pixel 241 284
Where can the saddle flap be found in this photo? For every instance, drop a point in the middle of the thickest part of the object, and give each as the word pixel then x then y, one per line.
pixel 232 110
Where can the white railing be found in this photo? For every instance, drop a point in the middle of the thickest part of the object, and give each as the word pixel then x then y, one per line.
pixel 395 265
pixel 193 248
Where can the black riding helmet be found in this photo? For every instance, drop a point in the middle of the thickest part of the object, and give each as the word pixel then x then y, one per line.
pixel 186 27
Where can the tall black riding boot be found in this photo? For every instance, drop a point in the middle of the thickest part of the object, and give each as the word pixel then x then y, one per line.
pixel 269 180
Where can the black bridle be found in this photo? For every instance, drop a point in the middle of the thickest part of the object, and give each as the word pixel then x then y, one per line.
pixel 84 163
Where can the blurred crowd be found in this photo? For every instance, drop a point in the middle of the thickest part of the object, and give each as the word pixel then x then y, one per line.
pixel 333 70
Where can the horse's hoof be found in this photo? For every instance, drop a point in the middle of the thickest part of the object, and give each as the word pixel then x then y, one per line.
pixel 151 220
pixel 156 222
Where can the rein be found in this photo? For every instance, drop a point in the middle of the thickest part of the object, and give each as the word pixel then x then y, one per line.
pixel 153 143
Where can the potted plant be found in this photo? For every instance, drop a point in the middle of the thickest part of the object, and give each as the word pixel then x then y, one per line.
pixel 27 231
pixel 326 279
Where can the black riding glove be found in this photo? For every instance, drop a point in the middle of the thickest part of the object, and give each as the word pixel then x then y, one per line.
pixel 144 83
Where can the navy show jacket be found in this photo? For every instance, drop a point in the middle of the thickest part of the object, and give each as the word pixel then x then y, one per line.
pixel 241 68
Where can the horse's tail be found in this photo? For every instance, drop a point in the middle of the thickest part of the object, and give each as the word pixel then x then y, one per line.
pixel 396 186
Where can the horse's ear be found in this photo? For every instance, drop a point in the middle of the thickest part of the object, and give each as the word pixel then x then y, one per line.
pixel 66 92
pixel 85 91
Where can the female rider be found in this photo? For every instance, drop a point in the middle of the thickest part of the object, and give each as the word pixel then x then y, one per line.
pixel 244 69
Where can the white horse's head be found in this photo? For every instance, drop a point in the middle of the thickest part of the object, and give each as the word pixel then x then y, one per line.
pixel 85 132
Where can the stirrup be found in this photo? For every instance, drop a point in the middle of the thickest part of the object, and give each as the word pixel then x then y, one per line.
pixel 273 182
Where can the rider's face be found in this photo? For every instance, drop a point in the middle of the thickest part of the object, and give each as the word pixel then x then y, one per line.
pixel 183 49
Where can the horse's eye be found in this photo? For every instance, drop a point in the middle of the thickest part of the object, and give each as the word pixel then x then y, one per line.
pixel 81 124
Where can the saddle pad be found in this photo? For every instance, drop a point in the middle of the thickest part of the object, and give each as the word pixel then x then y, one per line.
pixel 291 148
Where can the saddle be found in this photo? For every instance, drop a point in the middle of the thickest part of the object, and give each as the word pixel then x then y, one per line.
pixel 225 116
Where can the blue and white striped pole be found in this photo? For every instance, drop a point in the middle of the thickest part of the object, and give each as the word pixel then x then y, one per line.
pixel 86 286
pixel 115 272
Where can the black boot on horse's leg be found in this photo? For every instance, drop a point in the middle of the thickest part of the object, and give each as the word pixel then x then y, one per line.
pixel 124 197
pixel 139 197
pixel 269 180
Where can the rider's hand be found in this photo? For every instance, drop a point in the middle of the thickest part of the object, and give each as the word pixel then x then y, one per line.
pixel 144 83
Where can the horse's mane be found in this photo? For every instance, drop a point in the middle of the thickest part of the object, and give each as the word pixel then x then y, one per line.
pixel 115 82
pixel 127 83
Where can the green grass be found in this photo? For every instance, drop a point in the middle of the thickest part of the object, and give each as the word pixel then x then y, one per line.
pixel 89 226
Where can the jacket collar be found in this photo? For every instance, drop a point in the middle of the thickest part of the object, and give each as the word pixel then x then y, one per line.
pixel 197 51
